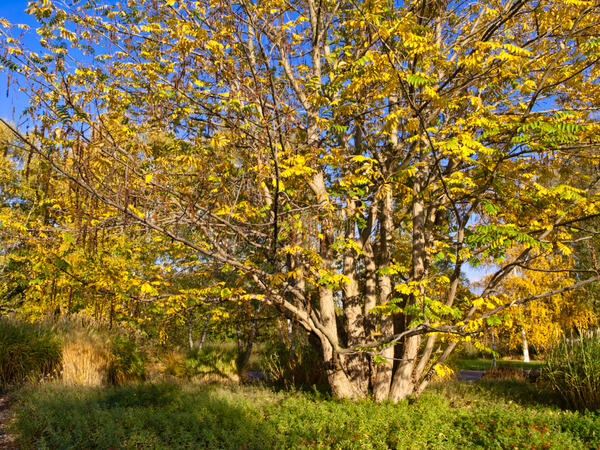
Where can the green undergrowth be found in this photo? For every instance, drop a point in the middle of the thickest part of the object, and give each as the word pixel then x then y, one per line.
pixel 453 415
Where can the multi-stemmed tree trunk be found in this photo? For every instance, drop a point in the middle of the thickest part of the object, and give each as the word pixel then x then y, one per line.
pixel 343 159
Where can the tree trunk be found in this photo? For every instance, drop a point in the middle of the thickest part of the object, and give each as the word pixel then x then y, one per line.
pixel 290 335
pixel 356 366
pixel 525 346
pixel 370 302
pixel 341 385
pixel 244 357
pixel 404 382
pixel 204 332
pixel 383 371
pixel 190 324
pixel 493 350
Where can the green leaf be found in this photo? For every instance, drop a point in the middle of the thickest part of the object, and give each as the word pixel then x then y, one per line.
pixel 378 359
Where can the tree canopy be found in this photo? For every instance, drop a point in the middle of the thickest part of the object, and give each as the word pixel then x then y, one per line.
pixel 340 161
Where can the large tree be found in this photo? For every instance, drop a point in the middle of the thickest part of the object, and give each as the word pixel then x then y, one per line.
pixel 543 323
pixel 342 160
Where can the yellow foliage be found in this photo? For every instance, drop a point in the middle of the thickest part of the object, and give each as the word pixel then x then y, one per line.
pixel 443 371
pixel 545 321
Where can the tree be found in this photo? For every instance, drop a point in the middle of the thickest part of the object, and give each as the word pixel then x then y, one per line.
pixel 544 322
pixel 341 160
pixel 59 254
pixel 64 253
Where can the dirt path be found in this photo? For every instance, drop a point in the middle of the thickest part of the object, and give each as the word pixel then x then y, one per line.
pixel 463 375
pixel 6 439
pixel 470 375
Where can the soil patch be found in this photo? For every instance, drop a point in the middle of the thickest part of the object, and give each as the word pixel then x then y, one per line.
pixel 7 440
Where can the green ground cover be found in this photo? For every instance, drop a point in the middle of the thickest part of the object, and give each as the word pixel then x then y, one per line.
pixel 451 415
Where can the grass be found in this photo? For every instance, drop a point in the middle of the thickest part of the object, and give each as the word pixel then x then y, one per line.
pixel 485 364
pixel 85 358
pixel 574 372
pixel 78 353
pixel 92 358
pixel 27 352
pixel 451 415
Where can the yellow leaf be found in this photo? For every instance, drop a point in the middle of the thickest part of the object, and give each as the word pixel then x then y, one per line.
pixel 136 211
pixel 147 288
pixel 443 371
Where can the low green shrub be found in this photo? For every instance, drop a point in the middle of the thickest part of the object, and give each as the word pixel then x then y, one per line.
pixel 126 362
pixel 573 371
pixel 300 366
pixel 27 352
pixel 452 415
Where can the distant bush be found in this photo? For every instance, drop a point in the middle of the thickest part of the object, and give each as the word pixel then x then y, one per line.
pixel 505 373
pixel 27 352
pixel 127 363
pixel 172 363
pixel 213 361
pixel 573 371
pixel 300 366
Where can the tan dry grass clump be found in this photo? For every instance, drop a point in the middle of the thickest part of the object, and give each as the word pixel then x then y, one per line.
pixel 85 359
pixel 172 363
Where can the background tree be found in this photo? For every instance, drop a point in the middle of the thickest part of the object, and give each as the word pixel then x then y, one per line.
pixel 65 253
pixel 543 323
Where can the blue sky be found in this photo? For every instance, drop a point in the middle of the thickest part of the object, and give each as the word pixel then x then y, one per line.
pixel 11 106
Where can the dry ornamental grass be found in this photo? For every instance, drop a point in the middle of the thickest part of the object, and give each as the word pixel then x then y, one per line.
pixel 85 360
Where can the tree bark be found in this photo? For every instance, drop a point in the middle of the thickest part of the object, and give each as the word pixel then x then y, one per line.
pixel 190 324
pixel 341 385
pixel 356 366
pixel 404 382
pixel 383 371
pixel 525 346
pixel 204 332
